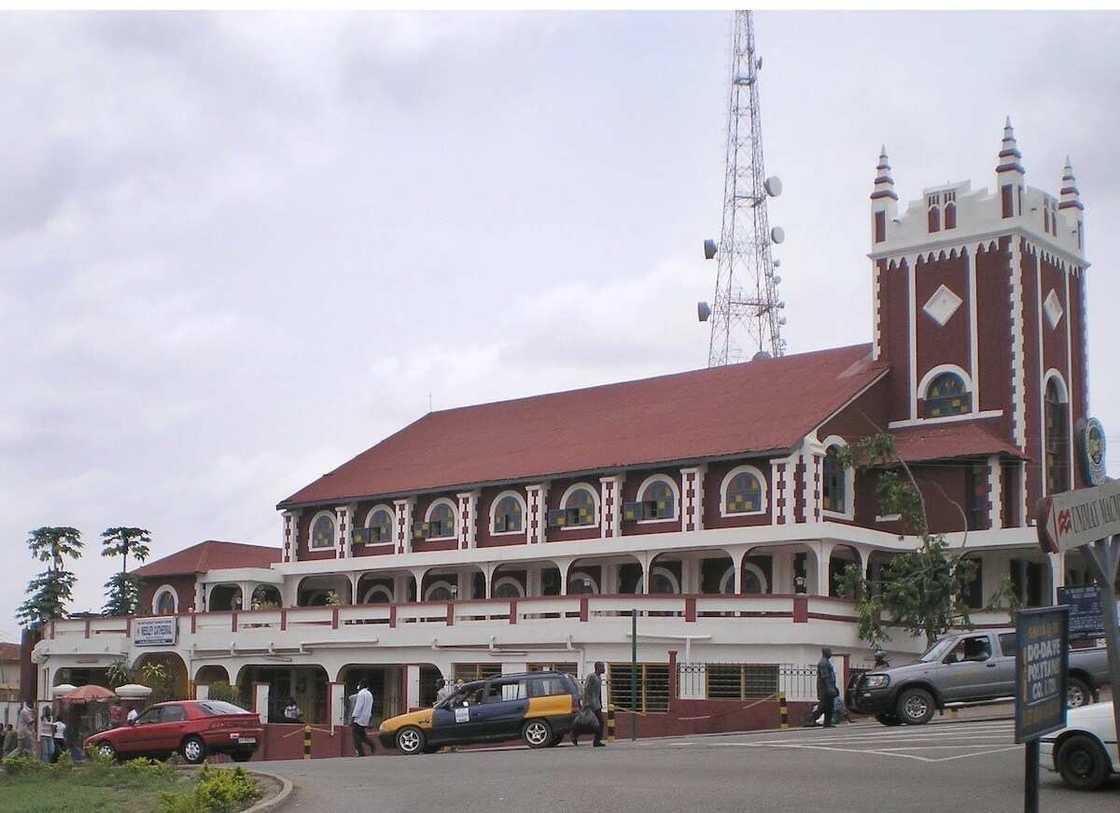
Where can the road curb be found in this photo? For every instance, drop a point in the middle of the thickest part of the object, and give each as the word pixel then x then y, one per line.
pixel 286 788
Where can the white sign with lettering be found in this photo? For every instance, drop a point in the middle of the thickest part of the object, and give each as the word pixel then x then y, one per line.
pixel 154 631
pixel 1075 518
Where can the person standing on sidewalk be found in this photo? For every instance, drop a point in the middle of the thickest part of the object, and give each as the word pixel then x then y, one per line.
pixel 826 686
pixel 59 739
pixel 46 735
pixel 360 716
pixel 25 729
pixel 593 701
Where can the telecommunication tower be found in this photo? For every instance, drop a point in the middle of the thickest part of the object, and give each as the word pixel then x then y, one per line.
pixel 746 312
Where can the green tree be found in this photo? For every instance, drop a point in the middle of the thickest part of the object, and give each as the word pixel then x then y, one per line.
pixel 122 591
pixel 923 591
pixel 49 592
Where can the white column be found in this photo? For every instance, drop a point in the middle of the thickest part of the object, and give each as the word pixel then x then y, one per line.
pixel 260 698
pixel 468 522
pixel 1057 576
pixel 290 536
pixel 692 498
pixel 563 565
pixel 412 686
pixel 823 553
pixel 199 596
pixel 610 506
pixel 246 595
pixel 418 575
pixel 995 493
pixel 201 691
pixel 343 520
pixel 812 455
pixel 404 509
pixel 536 520
pixel 338 704
pixel 781 571
pixel 737 556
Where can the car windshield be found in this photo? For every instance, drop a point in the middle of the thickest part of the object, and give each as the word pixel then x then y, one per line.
pixel 215 708
pixel 938 650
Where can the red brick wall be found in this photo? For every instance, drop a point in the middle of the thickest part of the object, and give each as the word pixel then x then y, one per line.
pixel 634 480
pixel 949 343
pixel 305 553
pixel 555 492
pixel 1079 385
pixel 712 484
pixel 894 335
pixel 1032 375
pixel 184 588
pixel 486 538
pixel 994 332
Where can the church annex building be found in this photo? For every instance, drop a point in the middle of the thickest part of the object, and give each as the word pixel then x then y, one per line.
pixel 519 535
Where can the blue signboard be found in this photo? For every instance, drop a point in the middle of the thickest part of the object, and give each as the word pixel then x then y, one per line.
pixel 1040 671
pixel 1085 617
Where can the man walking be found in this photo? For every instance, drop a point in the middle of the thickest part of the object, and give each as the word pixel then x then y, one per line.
pixel 25 729
pixel 359 718
pixel 826 686
pixel 593 701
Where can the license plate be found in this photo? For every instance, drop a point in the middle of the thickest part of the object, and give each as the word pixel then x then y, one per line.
pixel 250 740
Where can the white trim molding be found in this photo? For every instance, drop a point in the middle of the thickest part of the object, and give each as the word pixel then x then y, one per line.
pixel 494 512
pixel 729 576
pixel 163 590
pixel 311 530
pixel 731 475
pixel 452 590
pixel 595 499
pixel 933 372
pixel 849 511
pixel 665 573
pixel 673 486
pixel 378 589
pixel 502 580
pixel 454 518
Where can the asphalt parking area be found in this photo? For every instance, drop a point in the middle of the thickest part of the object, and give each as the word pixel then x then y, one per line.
pixel 929 744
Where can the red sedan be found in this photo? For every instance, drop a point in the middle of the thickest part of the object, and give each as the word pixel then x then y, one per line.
pixel 194 728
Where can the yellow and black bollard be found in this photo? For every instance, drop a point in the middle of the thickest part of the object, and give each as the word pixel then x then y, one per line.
pixel 307 742
pixel 610 722
pixel 783 710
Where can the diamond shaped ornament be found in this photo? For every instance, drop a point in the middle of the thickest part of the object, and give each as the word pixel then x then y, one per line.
pixel 1053 308
pixel 942 305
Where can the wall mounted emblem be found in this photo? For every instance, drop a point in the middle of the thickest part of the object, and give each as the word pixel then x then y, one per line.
pixel 1093 445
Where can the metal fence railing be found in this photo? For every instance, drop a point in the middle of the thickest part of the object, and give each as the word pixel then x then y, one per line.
pixel 652 688
pixel 745 681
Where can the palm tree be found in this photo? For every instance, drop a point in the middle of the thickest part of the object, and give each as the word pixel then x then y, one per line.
pixel 122 591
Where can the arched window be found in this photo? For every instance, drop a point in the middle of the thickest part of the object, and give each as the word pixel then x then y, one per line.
pixel 836 485
pixel 440 591
pixel 580 582
pixel 508 587
pixel 947 395
pixel 663 582
pixel 378 594
pixel 744 492
pixel 322 530
pixel 657 501
pixel 379 525
pixel 950 216
pixel 579 508
pixel 507 516
pixel 754 580
pixel 1057 436
pixel 440 520
pixel 165 601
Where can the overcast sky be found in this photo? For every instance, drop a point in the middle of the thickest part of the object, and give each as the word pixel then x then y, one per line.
pixel 236 250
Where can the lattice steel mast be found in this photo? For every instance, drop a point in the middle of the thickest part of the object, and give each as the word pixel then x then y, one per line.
pixel 746 296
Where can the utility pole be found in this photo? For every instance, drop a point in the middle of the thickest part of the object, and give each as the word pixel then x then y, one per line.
pixel 746 313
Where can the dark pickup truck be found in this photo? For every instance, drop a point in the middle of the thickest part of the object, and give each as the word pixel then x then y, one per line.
pixel 963 669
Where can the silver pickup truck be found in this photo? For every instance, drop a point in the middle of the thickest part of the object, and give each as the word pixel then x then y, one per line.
pixel 961 669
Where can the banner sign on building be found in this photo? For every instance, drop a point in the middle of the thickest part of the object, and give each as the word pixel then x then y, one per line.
pixel 1086 619
pixel 1040 671
pixel 1075 518
pixel 154 631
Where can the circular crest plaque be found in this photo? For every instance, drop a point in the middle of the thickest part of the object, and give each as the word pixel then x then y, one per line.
pixel 1091 439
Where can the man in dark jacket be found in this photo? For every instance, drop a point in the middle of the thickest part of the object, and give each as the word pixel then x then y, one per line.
pixel 826 686
pixel 593 700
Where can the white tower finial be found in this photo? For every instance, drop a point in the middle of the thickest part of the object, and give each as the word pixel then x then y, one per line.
pixel 1071 198
pixel 884 183
pixel 1009 155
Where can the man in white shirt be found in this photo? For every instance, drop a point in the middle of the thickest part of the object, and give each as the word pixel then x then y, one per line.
pixel 359 718
pixel 132 715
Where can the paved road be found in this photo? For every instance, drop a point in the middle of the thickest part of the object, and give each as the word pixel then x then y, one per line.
pixel 960 767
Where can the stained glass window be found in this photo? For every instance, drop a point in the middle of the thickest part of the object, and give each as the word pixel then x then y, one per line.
pixel 380 527
pixel 579 508
pixel 744 494
pixel 659 502
pixel 441 521
pixel 946 395
pixel 322 532
pixel 1057 440
pixel 508 515
pixel 834 487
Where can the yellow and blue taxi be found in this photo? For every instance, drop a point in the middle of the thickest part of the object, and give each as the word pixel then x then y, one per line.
pixel 538 707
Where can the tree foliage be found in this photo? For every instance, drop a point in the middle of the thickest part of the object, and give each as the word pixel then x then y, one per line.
pixel 49 592
pixel 923 591
pixel 122 591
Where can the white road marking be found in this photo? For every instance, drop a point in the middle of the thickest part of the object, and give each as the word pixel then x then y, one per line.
pixel 916 757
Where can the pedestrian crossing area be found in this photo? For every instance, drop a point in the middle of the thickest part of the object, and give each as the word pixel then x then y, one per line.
pixel 933 743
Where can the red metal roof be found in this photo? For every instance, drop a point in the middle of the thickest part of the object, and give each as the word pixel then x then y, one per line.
pixel 944 441
pixel 757 407
pixel 210 555
pixel 9 652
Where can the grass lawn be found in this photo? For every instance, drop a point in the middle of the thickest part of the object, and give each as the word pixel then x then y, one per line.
pixel 84 791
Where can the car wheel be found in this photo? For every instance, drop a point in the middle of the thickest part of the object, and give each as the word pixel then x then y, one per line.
pixel 1078 693
pixel 410 740
pixel 888 719
pixel 915 706
pixel 537 733
pixel 1082 763
pixel 105 750
pixel 242 756
pixel 194 750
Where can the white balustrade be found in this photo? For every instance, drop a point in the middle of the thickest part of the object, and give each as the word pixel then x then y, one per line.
pixel 364 614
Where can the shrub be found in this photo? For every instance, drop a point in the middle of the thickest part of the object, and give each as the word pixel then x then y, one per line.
pixel 64 763
pixel 24 765
pixel 221 690
pixel 219 790
pixel 142 768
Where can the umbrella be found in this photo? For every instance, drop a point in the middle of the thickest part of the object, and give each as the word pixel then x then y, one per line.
pixel 88 694
pixel 133 691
